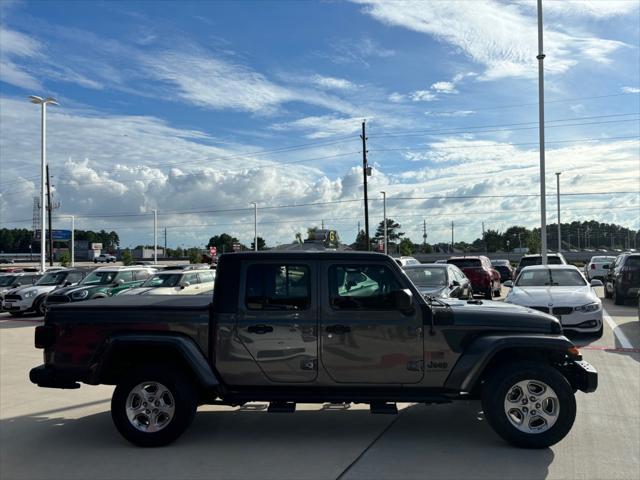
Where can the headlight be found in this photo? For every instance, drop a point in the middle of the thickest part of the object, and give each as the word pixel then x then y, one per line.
pixel 589 307
pixel 79 295
pixel 30 293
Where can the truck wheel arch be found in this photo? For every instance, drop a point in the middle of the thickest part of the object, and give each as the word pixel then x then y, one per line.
pixel 121 351
pixel 484 353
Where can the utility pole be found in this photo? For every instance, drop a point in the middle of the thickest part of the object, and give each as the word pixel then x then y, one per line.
pixel 451 236
pixel 384 225
pixel 165 242
pixel 558 201
pixel 612 246
pixel 49 209
pixel 543 193
pixel 424 236
pixel 155 236
pixel 578 237
pixel 73 241
pixel 366 171
pixel 255 226
pixel 43 102
pixel 322 223
pixel 484 240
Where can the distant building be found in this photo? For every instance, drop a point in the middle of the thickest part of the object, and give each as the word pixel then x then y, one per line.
pixel 146 253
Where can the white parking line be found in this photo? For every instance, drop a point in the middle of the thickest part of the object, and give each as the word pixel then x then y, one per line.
pixel 619 334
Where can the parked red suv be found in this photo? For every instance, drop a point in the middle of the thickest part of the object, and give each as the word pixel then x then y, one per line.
pixel 484 278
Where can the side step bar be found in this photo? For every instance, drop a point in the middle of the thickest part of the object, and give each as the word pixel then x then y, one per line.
pixel 281 407
pixel 383 407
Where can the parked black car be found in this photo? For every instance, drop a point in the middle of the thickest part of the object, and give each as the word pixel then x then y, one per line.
pixel 622 279
pixel 504 268
pixel 440 280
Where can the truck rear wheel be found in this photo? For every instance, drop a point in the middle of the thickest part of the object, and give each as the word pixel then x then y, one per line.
pixel 153 405
pixel 530 405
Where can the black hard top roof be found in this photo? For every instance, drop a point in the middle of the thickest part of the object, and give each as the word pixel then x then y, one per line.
pixel 308 254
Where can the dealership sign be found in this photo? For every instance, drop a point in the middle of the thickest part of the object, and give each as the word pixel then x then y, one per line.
pixel 58 235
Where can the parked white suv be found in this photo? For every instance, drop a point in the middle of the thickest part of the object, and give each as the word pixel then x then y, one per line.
pixel 176 282
pixel 104 258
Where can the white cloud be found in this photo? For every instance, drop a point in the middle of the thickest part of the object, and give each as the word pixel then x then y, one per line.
pixel 322 126
pixel 396 97
pixel 360 51
pixel 15 45
pixel 453 113
pixel 332 83
pixel 494 34
pixel 444 87
pixel 423 96
pixel 630 90
pixel 599 9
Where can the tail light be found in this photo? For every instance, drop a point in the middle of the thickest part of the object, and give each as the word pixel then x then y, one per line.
pixel 593 266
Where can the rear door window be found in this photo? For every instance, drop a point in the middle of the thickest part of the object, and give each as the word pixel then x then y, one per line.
pixel 206 277
pixel 127 276
pixel 278 287
pixel 192 278
pixel 362 287
pixel 141 274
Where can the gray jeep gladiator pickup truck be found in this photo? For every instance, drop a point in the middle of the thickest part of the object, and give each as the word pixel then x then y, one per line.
pixel 289 327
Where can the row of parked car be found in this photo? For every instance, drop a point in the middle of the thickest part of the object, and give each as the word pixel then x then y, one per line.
pixel 557 288
pixel 32 292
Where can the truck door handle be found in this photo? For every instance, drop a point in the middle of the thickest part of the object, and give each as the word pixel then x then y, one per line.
pixel 338 329
pixel 260 329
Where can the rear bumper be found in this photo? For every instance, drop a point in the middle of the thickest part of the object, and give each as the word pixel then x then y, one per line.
pixel 47 377
pixel 584 376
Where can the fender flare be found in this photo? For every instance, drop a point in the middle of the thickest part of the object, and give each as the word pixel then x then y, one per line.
pixel 183 346
pixel 471 364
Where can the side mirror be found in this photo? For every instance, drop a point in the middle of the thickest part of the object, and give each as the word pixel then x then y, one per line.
pixel 403 299
pixel 184 285
pixel 508 284
pixel 596 283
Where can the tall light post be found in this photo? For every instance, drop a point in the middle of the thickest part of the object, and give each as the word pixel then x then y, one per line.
pixel 558 202
pixel 384 228
pixel 43 174
pixel 255 226
pixel 155 236
pixel 543 193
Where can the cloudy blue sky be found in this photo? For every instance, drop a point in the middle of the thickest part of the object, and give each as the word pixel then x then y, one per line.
pixel 197 109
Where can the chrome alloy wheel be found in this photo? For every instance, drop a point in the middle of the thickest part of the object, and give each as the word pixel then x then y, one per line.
pixel 532 406
pixel 150 407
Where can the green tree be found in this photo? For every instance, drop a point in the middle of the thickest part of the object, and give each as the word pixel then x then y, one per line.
pixel 361 241
pixel 261 244
pixel 493 240
pixel 194 255
pixel 127 258
pixel 407 247
pixel 65 259
pixel 393 233
pixel 223 242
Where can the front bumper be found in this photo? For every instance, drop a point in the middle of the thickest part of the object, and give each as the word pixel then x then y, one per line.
pixel 583 376
pixel 590 322
pixel 17 305
pixel 47 377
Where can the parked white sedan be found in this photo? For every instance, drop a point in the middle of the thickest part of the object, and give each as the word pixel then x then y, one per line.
pixel 594 269
pixel 186 281
pixel 562 291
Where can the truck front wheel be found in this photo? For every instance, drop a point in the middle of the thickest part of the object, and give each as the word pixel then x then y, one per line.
pixel 153 405
pixel 530 405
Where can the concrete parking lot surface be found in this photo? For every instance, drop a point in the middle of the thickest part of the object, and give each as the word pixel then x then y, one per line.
pixel 52 434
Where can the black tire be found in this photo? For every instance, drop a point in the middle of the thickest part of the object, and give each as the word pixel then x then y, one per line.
pixel 500 383
pixel 488 294
pixel 470 294
pixel 38 307
pixel 95 261
pixel 184 400
pixel 618 299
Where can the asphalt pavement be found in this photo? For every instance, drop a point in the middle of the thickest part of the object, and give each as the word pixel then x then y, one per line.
pixel 53 434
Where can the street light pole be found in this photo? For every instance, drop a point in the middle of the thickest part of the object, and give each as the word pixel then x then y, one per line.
pixel 255 226
pixel 43 174
pixel 543 198
pixel 384 212
pixel 155 236
pixel 73 240
pixel 558 201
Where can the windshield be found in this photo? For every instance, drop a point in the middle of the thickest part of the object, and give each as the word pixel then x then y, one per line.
pixel 163 280
pixel 548 277
pixel 427 277
pixel 633 262
pixel 528 261
pixel 6 280
pixel 466 262
pixel 99 278
pixel 52 278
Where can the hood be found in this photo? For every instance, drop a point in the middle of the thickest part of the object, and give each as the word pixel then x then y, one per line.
pixel 552 296
pixel 435 291
pixel 502 316
pixel 73 288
